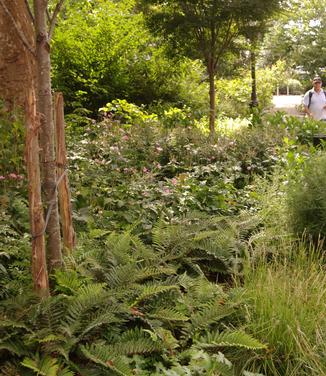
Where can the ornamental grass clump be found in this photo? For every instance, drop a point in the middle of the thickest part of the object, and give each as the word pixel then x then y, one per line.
pixel 287 311
pixel 307 200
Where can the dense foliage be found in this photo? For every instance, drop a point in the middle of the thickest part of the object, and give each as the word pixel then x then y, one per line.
pixel 194 256
pixel 163 218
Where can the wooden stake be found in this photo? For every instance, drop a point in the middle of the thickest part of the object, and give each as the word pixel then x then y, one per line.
pixel 69 238
pixel 39 266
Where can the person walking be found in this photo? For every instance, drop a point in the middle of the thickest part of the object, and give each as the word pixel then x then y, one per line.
pixel 314 100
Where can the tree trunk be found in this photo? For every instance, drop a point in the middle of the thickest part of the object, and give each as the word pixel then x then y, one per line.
pixel 212 109
pixel 17 52
pixel 68 232
pixel 39 267
pixel 17 88
pixel 45 109
pixel 254 99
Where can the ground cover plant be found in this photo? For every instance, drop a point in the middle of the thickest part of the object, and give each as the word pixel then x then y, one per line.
pixel 166 221
pixel 127 174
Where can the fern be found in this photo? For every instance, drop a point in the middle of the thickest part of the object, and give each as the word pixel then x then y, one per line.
pixel 124 275
pixel 45 367
pixel 168 314
pixel 151 290
pixel 235 338
pixel 100 355
pixel 67 281
pixel 14 346
pixel 208 314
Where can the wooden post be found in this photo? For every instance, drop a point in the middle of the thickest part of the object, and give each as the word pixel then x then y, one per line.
pixel 39 266
pixel 69 239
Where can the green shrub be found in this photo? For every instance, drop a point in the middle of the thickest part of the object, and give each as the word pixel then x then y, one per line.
pixel 126 113
pixel 233 96
pixel 307 199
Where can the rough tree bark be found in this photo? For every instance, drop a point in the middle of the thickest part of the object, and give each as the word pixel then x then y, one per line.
pixel 39 267
pixel 45 109
pixel 17 52
pixel 65 209
pixel 17 87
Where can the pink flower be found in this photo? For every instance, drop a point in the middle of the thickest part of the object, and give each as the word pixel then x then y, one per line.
pixel 174 181
pixel 2 177
pixel 166 191
pixel 125 137
pixel 12 176
pixel 145 170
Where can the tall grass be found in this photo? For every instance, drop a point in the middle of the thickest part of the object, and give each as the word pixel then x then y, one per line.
pixel 286 309
pixel 307 199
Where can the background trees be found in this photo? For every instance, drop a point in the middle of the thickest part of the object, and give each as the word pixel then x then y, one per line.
pixel 205 30
pixel 103 51
pixel 298 38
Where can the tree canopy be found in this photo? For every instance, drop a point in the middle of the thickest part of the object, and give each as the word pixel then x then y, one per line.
pixel 205 29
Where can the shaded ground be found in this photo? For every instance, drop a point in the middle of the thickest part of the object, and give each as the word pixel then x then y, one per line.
pixel 288 104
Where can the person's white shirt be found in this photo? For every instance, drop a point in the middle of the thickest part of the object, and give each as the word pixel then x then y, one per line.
pixel 317 108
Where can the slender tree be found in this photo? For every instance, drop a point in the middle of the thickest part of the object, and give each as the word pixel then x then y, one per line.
pixel 204 29
pixel 44 25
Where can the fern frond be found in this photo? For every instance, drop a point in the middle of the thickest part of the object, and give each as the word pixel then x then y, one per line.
pixel 136 341
pixel 99 319
pixel 132 342
pixel 99 354
pixel 124 275
pixel 46 366
pixel 151 290
pixel 120 247
pixel 235 338
pixel 208 314
pixel 67 281
pixel 13 324
pixel 14 346
pixel 167 314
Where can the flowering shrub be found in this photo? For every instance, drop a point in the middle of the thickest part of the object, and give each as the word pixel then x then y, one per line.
pixel 133 176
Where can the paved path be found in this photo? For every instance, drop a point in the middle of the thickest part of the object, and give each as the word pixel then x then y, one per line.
pixel 287 103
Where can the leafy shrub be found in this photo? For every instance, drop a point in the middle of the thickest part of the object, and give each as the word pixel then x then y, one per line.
pixel 126 113
pixel 174 116
pixel 125 176
pixel 293 85
pixel 233 96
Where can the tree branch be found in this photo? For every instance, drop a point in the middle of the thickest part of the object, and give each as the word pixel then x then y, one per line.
pixel 29 11
pixel 48 16
pixel 54 17
pixel 225 43
pixel 18 30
